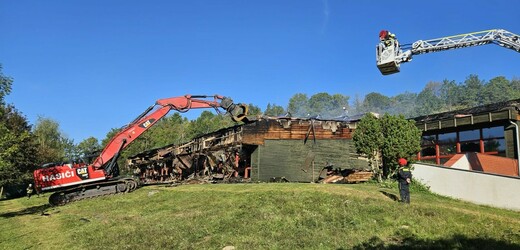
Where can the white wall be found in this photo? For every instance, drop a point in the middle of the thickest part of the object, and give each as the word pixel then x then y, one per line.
pixel 462 163
pixel 476 187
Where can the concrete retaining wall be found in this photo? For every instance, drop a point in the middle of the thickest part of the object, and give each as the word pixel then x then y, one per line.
pixel 481 188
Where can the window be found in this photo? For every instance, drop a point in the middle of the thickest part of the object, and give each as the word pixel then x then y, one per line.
pixel 469 140
pixel 494 140
pixel 428 140
pixel 448 149
pixel 494 132
pixel 447 143
pixel 485 140
pixel 495 146
pixel 469 135
pixel 428 151
pixel 448 138
pixel 473 146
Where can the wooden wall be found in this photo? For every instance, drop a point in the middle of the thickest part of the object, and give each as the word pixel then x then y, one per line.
pixel 510 141
pixel 292 129
pixel 299 162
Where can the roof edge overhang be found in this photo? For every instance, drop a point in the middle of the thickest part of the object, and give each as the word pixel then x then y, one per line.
pixel 458 119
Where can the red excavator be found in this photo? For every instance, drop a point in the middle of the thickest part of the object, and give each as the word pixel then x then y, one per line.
pixel 76 181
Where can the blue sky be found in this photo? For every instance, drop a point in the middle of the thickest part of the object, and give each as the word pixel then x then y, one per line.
pixel 95 65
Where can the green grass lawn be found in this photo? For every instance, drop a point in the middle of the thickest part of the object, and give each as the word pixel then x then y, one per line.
pixel 258 216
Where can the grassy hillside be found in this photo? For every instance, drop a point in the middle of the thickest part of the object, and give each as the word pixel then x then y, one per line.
pixel 258 216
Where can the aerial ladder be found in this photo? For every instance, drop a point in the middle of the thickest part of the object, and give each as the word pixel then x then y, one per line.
pixel 390 54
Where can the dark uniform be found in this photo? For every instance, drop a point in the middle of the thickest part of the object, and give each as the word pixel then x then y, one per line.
pixel 29 191
pixel 404 177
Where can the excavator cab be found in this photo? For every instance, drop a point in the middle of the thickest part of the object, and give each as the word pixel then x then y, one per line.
pixel 386 53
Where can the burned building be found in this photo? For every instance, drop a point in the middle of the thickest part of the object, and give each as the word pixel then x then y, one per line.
pixel 267 149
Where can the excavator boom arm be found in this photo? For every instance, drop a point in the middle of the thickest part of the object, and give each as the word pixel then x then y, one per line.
pixel 152 115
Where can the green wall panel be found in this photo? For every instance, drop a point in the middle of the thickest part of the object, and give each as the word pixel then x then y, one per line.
pixel 299 162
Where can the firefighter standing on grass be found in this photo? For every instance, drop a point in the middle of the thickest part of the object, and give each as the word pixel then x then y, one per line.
pixel 29 191
pixel 404 177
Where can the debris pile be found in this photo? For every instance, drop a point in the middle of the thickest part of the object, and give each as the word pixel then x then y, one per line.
pixel 346 176
pixel 196 168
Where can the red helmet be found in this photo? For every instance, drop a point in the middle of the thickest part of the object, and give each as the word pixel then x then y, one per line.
pixel 402 162
pixel 383 34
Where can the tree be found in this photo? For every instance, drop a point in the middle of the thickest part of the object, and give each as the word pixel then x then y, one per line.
pixel 88 146
pixel 321 104
pixel 253 109
pixel 17 148
pixel 328 106
pixel 70 150
pixel 274 110
pixel 515 85
pixel 376 102
pixel 403 104
pixel 450 95
pixel 9 173
pixel 208 122
pixel 428 101
pixel 5 85
pixel 402 139
pixel 172 129
pixel 472 92
pixel 391 136
pixel 17 145
pixel 358 105
pixel 497 89
pixel 368 140
pixel 298 105
pixel 53 145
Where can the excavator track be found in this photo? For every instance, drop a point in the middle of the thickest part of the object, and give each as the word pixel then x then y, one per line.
pixel 115 186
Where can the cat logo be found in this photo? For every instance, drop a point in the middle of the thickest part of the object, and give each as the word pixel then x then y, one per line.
pixel 81 171
pixel 147 123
